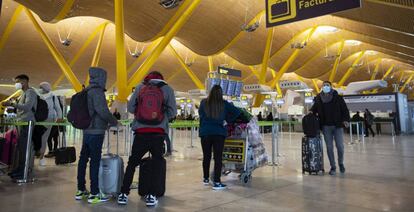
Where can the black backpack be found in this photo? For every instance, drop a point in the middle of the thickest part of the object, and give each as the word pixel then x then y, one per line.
pixel 78 114
pixel 42 110
pixel 311 125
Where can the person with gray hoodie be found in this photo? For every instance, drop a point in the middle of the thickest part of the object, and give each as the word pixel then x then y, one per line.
pixel 93 136
pixel 149 136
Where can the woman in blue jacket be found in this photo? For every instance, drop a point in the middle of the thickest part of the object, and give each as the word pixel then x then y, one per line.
pixel 214 111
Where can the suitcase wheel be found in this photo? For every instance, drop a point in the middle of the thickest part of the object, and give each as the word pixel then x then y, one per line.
pixel 245 178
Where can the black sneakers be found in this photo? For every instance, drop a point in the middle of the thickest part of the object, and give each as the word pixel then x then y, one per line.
pixel 342 168
pixel 151 200
pixel 122 199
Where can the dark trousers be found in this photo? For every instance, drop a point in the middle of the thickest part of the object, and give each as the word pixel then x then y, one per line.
pixel 215 143
pixel 21 147
pixel 143 142
pixel 369 127
pixel 91 148
pixel 53 136
pixel 168 143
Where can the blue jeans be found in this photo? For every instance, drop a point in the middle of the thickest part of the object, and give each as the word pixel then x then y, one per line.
pixel 91 148
pixel 331 133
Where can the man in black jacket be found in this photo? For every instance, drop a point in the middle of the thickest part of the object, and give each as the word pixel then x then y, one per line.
pixel 334 115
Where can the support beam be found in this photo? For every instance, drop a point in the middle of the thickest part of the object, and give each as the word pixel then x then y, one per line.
pixel 248 77
pixel 190 73
pixel 56 54
pixel 401 77
pixel 121 66
pixel 81 51
pixel 144 68
pixel 406 83
pixel 241 33
pixel 97 54
pixel 64 11
pixel 377 65
pixel 210 63
pixel 140 59
pixel 351 69
pixel 336 64
pixel 176 73
pixel 315 84
pixel 290 60
pixel 273 72
pixel 255 72
pixel 173 19
pixel 266 56
pixel 388 72
pixel 10 26
pixel 278 89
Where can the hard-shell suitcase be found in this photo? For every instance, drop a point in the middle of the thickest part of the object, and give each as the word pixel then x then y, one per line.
pixel 64 154
pixel 149 179
pixel 111 171
pixel 312 155
pixel 9 144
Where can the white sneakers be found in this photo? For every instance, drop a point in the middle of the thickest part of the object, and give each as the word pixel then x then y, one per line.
pixel 42 162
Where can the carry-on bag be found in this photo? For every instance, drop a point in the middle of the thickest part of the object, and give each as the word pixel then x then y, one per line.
pixel 149 180
pixel 312 155
pixel 9 144
pixel 111 171
pixel 64 154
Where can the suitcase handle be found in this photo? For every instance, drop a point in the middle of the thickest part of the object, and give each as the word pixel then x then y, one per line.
pixel 108 152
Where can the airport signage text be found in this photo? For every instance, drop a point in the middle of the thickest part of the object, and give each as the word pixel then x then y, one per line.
pixel 280 12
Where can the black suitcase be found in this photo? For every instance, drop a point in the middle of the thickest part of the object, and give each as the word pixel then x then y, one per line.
pixel 64 154
pixel 312 155
pixel 148 179
pixel 311 125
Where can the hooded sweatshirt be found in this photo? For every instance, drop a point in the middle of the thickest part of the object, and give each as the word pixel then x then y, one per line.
pixel 97 105
pixel 53 106
pixel 169 104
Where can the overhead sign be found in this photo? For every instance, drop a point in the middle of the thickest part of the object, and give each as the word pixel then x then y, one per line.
pixel 280 12
pixel 370 98
pixel 229 71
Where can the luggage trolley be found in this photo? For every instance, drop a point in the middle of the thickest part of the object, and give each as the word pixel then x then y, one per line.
pixel 237 157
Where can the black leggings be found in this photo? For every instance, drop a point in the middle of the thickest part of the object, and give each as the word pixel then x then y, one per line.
pixel 215 143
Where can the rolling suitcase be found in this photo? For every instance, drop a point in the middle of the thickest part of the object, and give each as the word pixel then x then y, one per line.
pixel 9 147
pixel 312 155
pixel 111 171
pixel 64 154
pixel 148 179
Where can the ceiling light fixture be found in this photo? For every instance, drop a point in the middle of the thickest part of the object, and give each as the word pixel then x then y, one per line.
pixel 327 29
pixel 371 52
pixel 353 42
pixel 170 4
pixel 250 28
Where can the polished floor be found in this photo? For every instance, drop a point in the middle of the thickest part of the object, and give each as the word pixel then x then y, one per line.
pixel 379 177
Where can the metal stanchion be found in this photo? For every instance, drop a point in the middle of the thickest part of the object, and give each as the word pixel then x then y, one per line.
pixel 275 146
pixel 171 135
pixel 350 132
pixel 363 131
pixel 29 154
pixel 358 134
pixel 191 137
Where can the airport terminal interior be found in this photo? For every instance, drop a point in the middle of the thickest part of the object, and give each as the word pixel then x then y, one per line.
pixel 272 60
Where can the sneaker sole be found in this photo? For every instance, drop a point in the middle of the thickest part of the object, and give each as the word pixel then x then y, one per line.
pixel 122 203
pixel 97 201
pixel 221 188
pixel 152 204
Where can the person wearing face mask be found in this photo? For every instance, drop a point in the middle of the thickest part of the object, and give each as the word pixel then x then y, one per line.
pixel 25 106
pixel 333 113
pixel 55 112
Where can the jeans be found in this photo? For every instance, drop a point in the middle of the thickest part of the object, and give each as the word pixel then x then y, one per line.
pixel 143 142
pixel 331 133
pixel 215 143
pixel 91 148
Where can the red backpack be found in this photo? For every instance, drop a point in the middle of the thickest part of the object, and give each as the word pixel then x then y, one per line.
pixel 150 104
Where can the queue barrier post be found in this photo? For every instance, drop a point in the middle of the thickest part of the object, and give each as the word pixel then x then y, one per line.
pixel 29 154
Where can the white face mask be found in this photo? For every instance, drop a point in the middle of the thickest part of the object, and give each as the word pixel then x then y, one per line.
pixel 18 86
pixel 326 89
